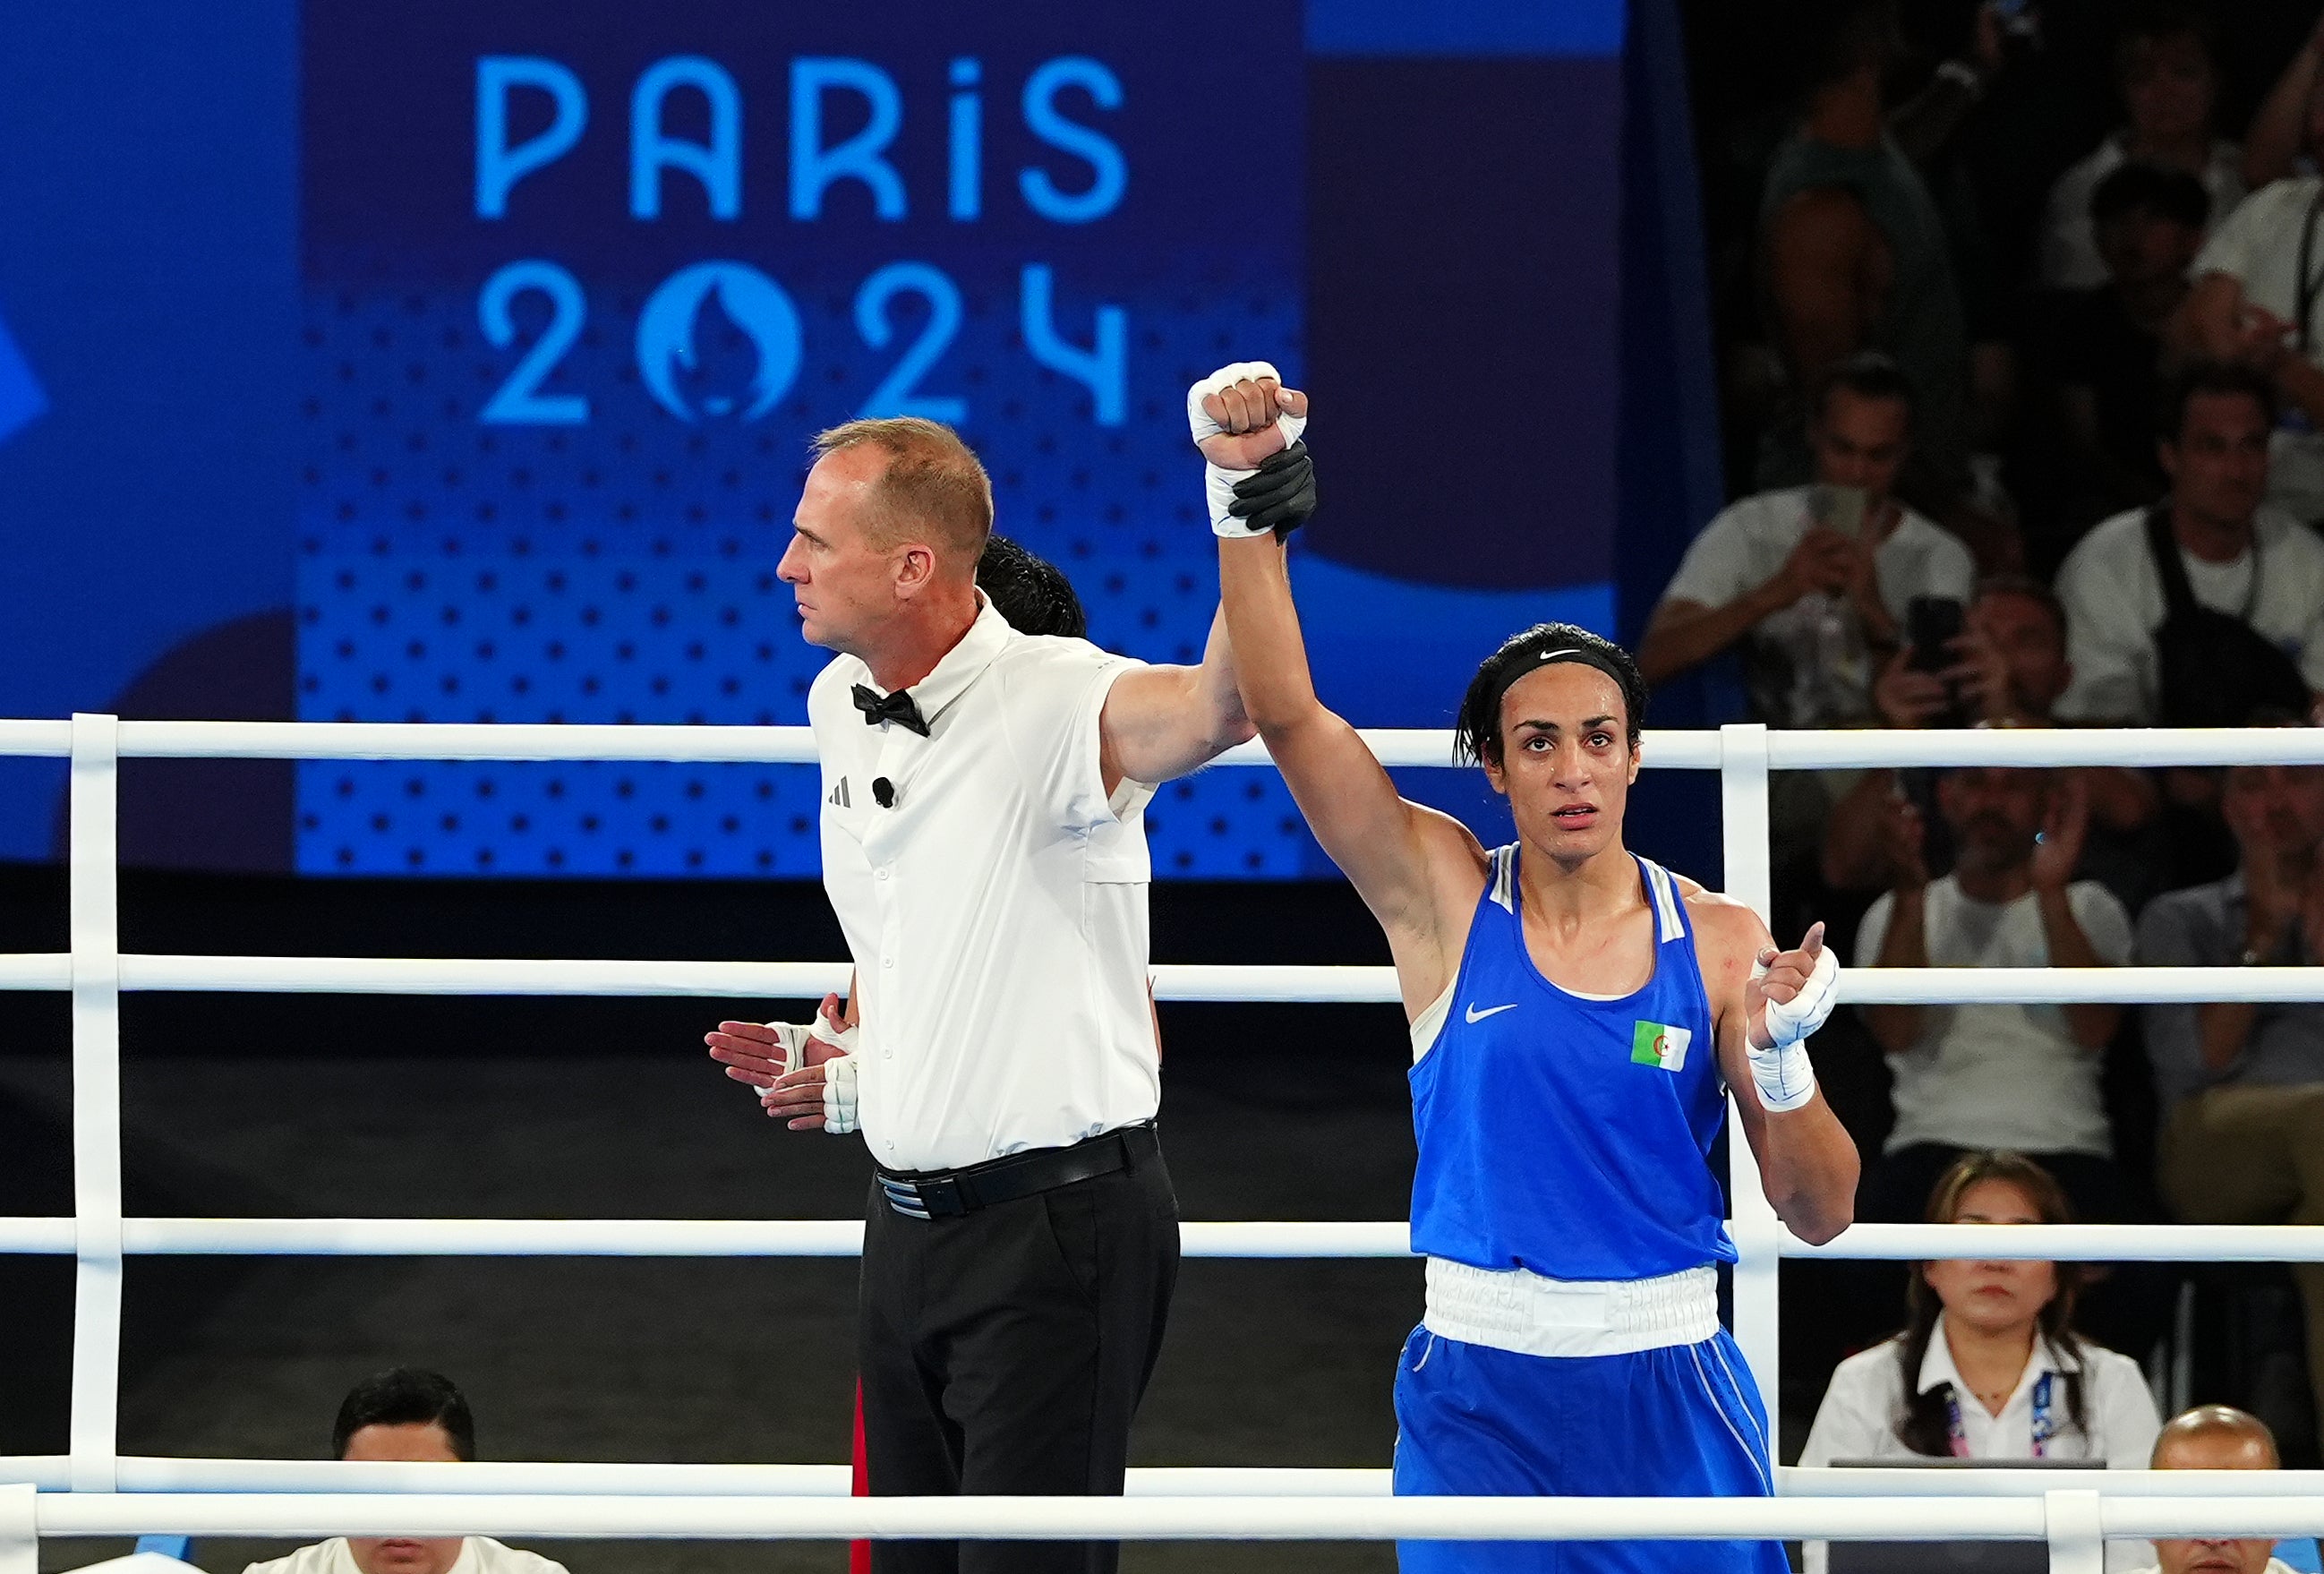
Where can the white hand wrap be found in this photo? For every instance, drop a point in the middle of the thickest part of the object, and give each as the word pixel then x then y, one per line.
pixel 1786 1078
pixel 839 1096
pixel 838 1074
pixel 1218 484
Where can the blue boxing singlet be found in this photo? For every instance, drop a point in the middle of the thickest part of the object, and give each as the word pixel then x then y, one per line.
pixel 1563 1134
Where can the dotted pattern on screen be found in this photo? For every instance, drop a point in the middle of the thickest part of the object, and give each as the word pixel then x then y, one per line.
pixel 624 571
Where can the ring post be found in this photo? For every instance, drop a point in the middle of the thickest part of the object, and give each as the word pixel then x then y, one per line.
pixel 2077 1542
pixel 94 794
pixel 19 1537
pixel 1744 829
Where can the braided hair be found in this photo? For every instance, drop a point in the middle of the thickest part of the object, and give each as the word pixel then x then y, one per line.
pixel 1029 591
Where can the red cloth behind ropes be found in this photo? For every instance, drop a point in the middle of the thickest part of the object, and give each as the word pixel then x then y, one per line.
pixel 858 1553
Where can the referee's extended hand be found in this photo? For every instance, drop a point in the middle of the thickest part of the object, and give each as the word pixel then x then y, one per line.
pixel 1787 974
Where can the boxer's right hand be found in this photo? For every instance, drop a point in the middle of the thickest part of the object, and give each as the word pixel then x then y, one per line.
pixel 1240 416
pixel 1243 410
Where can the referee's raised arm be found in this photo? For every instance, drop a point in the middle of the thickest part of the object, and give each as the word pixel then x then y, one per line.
pixel 1164 722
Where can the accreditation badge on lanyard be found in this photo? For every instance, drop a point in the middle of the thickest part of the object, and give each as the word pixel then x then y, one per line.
pixel 2044 1429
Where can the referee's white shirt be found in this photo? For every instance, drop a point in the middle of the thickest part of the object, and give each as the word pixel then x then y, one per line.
pixel 997 910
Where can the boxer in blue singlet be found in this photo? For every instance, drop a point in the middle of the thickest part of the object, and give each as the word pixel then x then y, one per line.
pixel 1577 1013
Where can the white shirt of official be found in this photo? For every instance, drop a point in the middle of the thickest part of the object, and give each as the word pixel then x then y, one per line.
pixel 996 912
pixel 1999 1076
pixel 1742 548
pixel 2259 246
pixel 2114 604
pixel 478 1555
pixel 1866 1400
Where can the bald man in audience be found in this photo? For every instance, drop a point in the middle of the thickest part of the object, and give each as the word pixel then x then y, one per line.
pixel 2215 1437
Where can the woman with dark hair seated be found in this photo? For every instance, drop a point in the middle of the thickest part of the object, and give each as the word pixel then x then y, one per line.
pixel 1989 1365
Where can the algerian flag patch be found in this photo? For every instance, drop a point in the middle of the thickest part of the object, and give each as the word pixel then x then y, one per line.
pixel 1655 1043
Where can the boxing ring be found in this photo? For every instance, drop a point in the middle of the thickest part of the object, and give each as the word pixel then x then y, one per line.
pixel 93 1491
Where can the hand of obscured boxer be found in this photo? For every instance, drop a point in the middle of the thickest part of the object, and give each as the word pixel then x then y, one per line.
pixel 797 1097
pixel 763 1054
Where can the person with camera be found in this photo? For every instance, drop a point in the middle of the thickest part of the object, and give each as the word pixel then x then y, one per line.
pixel 1812 582
pixel 2000 662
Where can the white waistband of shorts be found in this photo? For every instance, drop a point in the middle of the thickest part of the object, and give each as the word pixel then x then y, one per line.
pixel 1534 1315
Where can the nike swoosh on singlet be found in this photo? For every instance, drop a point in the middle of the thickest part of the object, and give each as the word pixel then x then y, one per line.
pixel 1474 1015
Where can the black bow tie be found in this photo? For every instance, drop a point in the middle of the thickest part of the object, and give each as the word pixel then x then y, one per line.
pixel 898 708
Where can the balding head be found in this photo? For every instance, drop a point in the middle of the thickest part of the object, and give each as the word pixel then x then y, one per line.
pixel 2215 1437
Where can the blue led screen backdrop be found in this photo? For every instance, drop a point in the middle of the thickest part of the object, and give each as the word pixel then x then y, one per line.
pixel 458 362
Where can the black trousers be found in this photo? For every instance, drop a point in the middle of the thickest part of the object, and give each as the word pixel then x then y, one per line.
pixel 1004 1351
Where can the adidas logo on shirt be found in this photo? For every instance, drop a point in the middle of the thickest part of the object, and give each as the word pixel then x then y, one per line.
pixel 839 795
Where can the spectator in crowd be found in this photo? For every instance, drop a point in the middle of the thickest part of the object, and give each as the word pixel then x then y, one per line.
pixel 2215 1437
pixel 1989 1365
pixel 2025 1077
pixel 2242 1086
pixel 2255 295
pixel 2008 669
pixel 1853 255
pixel 1814 580
pixel 2189 613
pixel 1814 583
pixel 406 1414
pixel 2284 135
pixel 2105 341
pixel 2164 70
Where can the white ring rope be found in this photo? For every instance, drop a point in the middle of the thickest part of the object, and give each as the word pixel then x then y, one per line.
pixel 1243 1239
pixel 1681 750
pixel 1175 982
pixel 2125 1514
pixel 294 1498
pixel 578 1479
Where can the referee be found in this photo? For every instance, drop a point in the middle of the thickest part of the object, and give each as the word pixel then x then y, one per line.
pixel 984 848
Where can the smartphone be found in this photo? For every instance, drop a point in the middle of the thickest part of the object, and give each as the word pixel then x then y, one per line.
pixel 1932 624
pixel 1839 508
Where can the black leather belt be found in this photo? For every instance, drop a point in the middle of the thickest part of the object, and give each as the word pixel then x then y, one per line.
pixel 949 1193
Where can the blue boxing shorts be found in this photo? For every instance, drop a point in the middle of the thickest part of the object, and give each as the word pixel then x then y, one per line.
pixel 1680 1421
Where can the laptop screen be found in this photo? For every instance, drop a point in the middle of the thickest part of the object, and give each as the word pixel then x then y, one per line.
pixel 1947 1557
